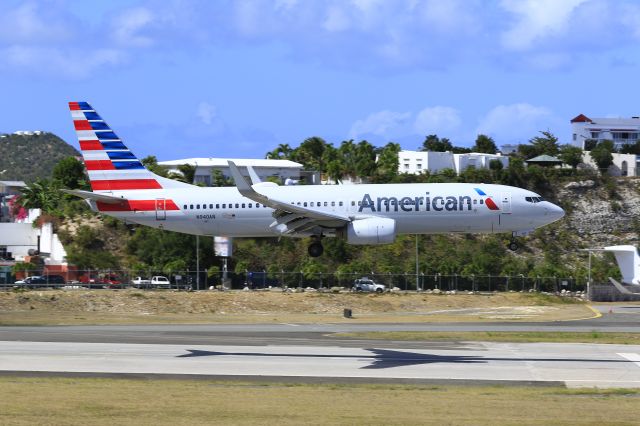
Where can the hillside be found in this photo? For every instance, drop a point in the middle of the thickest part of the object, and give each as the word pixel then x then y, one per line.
pixel 28 157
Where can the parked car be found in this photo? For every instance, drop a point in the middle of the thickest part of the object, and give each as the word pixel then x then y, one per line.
pixel 41 280
pixel 367 284
pixel 160 282
pixel 139 282
pixel 101 281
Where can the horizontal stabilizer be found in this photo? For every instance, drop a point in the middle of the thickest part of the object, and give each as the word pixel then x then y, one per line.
pixel 87 195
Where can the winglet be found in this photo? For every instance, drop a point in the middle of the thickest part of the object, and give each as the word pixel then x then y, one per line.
pixel 243 186
pixel 254 176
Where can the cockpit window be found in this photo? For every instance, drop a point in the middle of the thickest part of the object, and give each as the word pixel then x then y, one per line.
pixel 534 199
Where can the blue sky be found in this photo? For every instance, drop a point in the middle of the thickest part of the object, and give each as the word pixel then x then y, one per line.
pixel 179 78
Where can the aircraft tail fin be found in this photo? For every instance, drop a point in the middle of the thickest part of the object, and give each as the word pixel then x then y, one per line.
pixel 111 166
pixel 628 260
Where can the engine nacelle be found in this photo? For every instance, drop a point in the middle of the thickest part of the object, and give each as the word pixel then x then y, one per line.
pixel 373 230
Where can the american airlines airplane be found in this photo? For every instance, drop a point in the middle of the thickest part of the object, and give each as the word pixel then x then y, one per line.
pixel 361 214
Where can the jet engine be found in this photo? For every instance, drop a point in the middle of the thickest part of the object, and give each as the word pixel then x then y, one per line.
pixel 373 230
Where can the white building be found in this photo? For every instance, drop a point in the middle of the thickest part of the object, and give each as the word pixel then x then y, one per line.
pixel 416 162
pixel 623 164
pixel 265 168
pixel 19 240
pixel 621 131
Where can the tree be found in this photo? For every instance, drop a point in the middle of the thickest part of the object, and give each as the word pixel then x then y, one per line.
pixel 434 143
pixel 311 153
pixel 601 155
pixel 365 159
pixel 633 148
pixel 188 172
pixel 282 152
pixel 387 166
pixel 485 144
pixel 69 172
pixel 545 144
pixel 151 163
pixel 218 179
pixel 571 155
pixel 42 194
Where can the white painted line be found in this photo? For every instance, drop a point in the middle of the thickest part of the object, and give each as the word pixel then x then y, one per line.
pixel 632 357
pixel 291 325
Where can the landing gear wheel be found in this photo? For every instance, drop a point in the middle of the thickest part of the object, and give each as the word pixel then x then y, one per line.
pixel 315 249
pixel 513 246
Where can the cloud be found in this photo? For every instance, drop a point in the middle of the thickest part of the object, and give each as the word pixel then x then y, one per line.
pixel 536 20
pixel 438 119
pixel 515 122
pixel 61 62
pixel 31 23
pixel 382 123
pixel 206 112
pixel 128 24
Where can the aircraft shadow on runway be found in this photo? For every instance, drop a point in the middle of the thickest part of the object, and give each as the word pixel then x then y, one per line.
pixel 384 358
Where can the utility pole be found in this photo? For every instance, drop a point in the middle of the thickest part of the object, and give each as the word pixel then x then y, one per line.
pixel 197 262
pixel 417 267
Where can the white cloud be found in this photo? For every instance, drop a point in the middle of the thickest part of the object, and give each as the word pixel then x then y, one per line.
pixel 29 23
pixel 66 63
pixel 383 123
pixel 206 112
pixel 437 119
pixel 129 23
pixel 537 20
pixel 515 122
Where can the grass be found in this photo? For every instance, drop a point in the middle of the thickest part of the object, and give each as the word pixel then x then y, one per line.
pixel 502 336
pixel 31 401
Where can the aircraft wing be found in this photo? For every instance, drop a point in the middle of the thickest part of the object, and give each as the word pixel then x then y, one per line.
pixel 88 195
pixel 290 218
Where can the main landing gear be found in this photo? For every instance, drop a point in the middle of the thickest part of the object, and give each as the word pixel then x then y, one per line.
pixel 315 248
pixel 513 244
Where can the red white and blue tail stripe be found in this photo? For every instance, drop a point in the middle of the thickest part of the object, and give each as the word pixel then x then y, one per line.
pixel 111 166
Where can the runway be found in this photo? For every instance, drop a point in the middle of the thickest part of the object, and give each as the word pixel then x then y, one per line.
pixel 308 352
pixel 573 365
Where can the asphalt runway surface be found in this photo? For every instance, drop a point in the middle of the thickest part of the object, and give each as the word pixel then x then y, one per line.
pixel 309 353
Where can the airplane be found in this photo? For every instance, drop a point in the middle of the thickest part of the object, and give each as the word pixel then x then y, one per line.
pixel 360 214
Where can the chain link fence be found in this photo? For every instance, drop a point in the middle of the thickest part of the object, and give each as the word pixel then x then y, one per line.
pixel 256 280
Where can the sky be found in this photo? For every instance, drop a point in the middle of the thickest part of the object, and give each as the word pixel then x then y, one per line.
pixel 190 78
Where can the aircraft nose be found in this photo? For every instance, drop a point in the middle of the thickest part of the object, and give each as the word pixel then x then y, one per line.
pixel 554 212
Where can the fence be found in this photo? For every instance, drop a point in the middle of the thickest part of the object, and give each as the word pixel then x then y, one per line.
pixel 199 280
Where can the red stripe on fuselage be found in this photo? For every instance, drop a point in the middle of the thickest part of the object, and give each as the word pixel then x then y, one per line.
pixel 82 125
pixel 90 146
pixel 137 205
pixel 99 165
pixel 98 185
pixel 74 106
pixel 492 206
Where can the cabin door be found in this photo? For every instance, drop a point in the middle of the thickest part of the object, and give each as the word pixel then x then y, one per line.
pixel 161 212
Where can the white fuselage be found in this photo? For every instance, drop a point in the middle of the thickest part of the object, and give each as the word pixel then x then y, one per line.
pixel 416 208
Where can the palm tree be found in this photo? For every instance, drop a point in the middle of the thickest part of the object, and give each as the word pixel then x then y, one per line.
pixel 42 194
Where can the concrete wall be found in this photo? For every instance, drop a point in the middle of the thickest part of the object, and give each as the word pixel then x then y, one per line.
pixel 623 164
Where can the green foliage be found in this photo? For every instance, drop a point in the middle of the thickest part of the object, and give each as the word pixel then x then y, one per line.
pixel 633 148
pixel 434 143
pixel 42 194
pixel 34 157
pixel 571 155
pixel 540 145
pixel 87 250
pixel 23 267
pixel 485 144
pixel 151 163
pixel 602 155
pixel 69 172
pixel 188 173
pixel 218 179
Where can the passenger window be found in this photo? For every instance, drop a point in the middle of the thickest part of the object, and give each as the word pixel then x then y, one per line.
pixel 333 204
pixel 184 207
pixel 311 204
pixel 243 205
pixel 191 206
pixel 341 203
pixel 475 201
pixel 211 206
pixel 298 202
pixel 250 205
pixel 198 206
pixel 237 206
pixel 217 206
pixel 305 204
pixel 353 203
pixel 481 201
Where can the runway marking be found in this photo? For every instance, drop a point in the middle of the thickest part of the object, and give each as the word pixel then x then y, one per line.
pixel 635 358
pixel 291 325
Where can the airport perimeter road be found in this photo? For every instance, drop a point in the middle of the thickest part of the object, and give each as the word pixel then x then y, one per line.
pixel 575 365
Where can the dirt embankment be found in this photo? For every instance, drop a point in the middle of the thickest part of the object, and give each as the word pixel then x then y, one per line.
pixel 131 306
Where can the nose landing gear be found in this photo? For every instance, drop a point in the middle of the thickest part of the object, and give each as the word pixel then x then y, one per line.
pixel 513 245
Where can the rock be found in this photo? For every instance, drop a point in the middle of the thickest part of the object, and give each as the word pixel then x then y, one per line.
pixel 437 291
pixel 572 185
